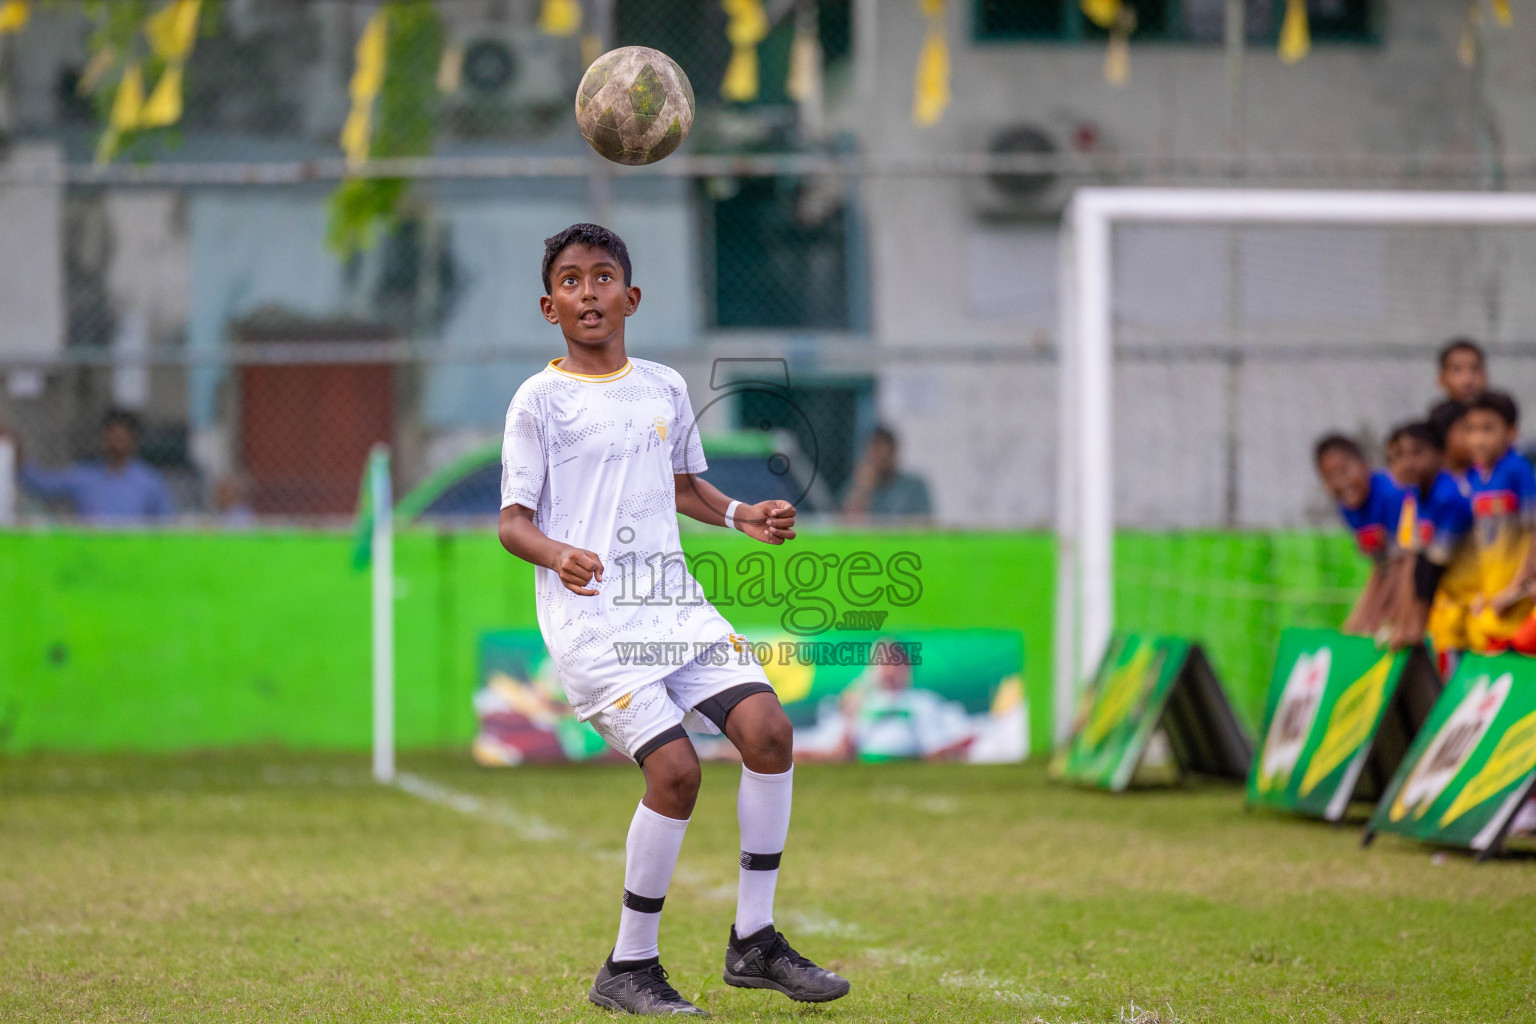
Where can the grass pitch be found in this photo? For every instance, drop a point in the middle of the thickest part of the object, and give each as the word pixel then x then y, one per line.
pixel 273 887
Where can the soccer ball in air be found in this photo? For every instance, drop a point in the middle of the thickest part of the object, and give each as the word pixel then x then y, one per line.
pixel 634 105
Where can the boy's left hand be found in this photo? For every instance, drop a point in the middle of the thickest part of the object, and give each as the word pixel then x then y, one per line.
pixel 1509 597
pixel 772 522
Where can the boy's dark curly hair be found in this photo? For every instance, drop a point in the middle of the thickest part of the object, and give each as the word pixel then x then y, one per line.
pixel 593 235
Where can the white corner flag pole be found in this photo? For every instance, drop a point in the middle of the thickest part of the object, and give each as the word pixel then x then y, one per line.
pixel 383 564
pixel 7 481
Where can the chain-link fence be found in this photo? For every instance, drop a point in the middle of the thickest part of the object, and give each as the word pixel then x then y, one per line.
pixel 265 326
pixel 260 366
pixel 276 428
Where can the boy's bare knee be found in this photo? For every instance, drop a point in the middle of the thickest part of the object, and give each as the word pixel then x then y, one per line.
pixel 672 777
pixel 769 743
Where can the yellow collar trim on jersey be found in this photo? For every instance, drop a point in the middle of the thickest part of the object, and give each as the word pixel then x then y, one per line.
pixel 554 364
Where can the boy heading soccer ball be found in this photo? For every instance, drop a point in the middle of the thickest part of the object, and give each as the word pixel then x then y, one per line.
pixel 600 455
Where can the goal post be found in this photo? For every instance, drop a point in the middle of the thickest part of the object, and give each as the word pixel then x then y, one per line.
pixel 381 540
pixel 1086 508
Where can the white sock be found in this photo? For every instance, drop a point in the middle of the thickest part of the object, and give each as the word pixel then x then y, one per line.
pixel 650 854
pixel 762 809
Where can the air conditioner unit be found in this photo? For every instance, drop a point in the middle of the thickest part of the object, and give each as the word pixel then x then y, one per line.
pixel 507 76
pixel 1018 196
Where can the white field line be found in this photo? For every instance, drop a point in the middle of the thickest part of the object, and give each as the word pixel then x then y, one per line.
pixel 1002 989
pixel 525 826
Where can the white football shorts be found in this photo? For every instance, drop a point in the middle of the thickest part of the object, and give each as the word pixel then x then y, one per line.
pixel 652 715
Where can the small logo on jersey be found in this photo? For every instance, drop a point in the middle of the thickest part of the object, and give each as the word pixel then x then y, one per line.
pixel 1371 538
pixel 1407 523
pixel 623 702
pixel 661 427
pixel 1493 503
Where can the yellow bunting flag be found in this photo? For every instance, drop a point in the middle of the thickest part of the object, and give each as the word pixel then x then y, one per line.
pixel 14 15
pixel 591 48
pixel 930 89
pixel 1114 17
pixel 1117 59
pixel 803 83
pixel 127 106
pixel 129 101
pixel 560 17
pixel 367 79
pixel 172 30
pixel 1295 36
pixel 1103 13
pixel 171 33
pixel 748 26
pixel 164 104
pixel 450 68
pixel 100 63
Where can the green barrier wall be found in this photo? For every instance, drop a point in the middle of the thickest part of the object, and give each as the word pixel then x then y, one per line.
pixel 156 641
pixel 1235 593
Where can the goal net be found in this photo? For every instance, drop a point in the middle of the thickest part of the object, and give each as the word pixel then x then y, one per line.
pixel 1210 337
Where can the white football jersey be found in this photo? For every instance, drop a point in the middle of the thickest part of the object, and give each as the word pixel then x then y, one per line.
pixel 593 457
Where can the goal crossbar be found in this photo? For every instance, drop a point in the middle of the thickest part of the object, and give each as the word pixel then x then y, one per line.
pixel 1085 497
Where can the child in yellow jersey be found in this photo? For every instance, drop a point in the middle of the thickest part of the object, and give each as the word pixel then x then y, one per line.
pixel 1504 513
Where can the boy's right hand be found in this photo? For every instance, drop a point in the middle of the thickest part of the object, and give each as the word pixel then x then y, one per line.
pixel 577 568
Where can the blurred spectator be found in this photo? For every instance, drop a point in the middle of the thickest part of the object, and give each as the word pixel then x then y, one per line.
pixel 229 502
pixel 1463 370
pixel 118 488
pixel 1370 503
pixel 880 489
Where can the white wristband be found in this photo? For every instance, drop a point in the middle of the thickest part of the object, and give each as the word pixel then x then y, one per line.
pixel 730 515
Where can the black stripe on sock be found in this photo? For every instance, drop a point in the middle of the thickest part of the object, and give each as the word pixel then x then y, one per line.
pixel 643 904
pixel 760 861
pixel 626 966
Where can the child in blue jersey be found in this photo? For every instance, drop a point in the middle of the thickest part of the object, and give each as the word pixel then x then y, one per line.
pixel 1434 529
pixel 1370 504
pixel 1504 516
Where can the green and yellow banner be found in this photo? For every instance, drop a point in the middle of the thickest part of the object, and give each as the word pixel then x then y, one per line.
pixel 1474 762
pixel 1337 706
pixel 932 695
pixel 1147 685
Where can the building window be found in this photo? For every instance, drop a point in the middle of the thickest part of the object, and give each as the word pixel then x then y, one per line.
pixel 781 254
pixel 1193 21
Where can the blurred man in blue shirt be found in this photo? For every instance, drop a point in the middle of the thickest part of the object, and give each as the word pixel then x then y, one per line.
pixel 880 490
pixel 118 488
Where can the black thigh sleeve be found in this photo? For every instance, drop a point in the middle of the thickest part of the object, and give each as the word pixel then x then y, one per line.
pixel 718 707
pixel 1426 578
